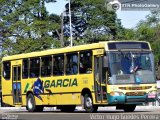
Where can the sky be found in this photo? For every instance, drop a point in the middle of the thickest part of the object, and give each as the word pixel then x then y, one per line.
pixel 129 19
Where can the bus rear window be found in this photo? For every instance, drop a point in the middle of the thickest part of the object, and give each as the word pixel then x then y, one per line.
pixel 6 70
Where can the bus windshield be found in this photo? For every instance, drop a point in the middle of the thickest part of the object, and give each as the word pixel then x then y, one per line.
pixel 129 63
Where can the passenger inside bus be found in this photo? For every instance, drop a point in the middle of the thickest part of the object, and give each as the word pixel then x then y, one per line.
pixel 82 68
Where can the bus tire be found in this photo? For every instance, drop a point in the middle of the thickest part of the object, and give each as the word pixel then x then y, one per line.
pixel 68 108
pixel 129 108
pixel 31 104
pixel 31 107
pixel 88 104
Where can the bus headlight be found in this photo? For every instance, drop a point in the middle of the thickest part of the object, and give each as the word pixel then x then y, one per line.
pixel 152 94
pixel 116 94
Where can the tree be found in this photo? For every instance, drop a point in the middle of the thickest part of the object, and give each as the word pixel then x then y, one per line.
pixel 149 30
pixel 91 21
pixel 26 26
pixel 129 34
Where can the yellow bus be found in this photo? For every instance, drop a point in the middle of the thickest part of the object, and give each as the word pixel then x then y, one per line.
pixel 112 73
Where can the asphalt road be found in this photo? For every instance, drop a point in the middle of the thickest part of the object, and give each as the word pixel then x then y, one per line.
pixel 106 113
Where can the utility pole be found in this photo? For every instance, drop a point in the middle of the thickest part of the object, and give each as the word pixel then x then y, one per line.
pixel 70 24
pixel 61 35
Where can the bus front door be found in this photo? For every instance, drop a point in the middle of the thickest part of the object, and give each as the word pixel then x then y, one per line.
pixel 16 86
pixel 100 80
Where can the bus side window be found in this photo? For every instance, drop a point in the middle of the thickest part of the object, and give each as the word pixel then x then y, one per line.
pixel 72 64
pixel 46 63
pixel 25 68
pixel 34 67
pixel 58 65
pixel 85 65
pixel 6 70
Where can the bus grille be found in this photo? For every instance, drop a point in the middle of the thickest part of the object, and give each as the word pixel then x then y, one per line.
pixel 136 100
pixel 135 88
pixel 135 93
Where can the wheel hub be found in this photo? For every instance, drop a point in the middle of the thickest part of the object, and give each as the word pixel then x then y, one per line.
pixel 88 102
pixel 30 104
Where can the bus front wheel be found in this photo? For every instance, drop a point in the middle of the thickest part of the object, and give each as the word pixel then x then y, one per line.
pixel 88 104
pixel 31 105
pixel 129 108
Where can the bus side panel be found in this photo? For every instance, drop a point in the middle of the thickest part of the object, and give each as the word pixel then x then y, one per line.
pixel 24 100
pixel 71 99
pixel 6 87
pixel 7 92
pixel 86 81
pixel 52 99
pixel 26 86
pixel 68 91
pixel 94 98
pixel 7 100
pixel 41 100
pixel 46 100
pixel 60 90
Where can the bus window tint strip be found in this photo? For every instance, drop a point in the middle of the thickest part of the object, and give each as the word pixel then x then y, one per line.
pixel 128 45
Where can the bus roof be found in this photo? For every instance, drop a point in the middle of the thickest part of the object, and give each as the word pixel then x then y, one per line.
pixel 56 51
pixel 63 50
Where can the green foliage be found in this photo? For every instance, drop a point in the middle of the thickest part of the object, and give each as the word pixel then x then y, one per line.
pixel 92 22
pixel 156 50
pixel 129 34
pixel 26 26
pixel 149 30
pixel 145 32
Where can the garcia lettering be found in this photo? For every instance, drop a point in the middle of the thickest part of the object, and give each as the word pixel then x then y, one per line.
pixel 60 83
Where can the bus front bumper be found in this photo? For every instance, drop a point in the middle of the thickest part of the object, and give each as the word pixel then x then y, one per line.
pixel 113 100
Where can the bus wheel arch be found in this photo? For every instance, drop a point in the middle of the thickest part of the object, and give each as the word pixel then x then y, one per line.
pixel 29 92
pixel 86 91
pixel 87 101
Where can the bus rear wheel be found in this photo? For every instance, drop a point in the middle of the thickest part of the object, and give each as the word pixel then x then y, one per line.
pixel 68 108
pixel 31 105
pixel 88 104
pixel 129 108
